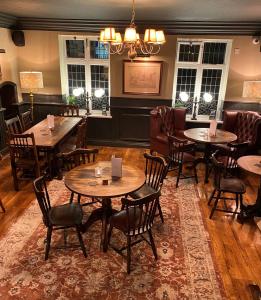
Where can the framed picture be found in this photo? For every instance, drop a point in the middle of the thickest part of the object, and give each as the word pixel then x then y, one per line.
pixel 142 77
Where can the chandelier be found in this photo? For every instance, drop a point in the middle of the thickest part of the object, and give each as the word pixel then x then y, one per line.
pixel 150 45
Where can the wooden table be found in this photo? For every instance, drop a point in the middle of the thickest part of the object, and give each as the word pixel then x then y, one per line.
pixel 82 180
pixel 252 164
pixel 49 140
pixel 201 135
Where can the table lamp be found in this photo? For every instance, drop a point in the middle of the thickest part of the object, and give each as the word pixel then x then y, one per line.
pixel 31 81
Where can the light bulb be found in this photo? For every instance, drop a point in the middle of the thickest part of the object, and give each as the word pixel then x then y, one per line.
pixel 207 97
pixel 183 96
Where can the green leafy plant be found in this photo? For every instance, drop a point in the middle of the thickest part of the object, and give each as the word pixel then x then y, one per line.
pixel 71 100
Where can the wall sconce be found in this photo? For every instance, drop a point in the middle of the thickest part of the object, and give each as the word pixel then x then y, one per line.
pixel 31 81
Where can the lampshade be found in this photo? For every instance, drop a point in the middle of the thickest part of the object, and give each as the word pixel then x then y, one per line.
pixel 252 89
pixel 130 35
pixel 31 80
pixel 160 37
pixel 118 39
pixel 109 34
pixel 150 36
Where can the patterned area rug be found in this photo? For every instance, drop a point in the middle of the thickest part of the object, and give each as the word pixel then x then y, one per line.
pixel 184 270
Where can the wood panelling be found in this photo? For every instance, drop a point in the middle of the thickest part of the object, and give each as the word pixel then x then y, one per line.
pixel 238 105
pixel 7 21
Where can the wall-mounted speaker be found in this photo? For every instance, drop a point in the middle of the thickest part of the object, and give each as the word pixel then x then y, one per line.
pixel 18 38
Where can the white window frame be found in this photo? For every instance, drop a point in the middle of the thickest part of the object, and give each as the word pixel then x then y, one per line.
pixel 200 67
pixel 87 61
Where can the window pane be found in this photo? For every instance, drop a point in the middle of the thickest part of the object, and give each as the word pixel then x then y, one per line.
pixel 100 79
pixel 75 48
pixel 214 53
pixel 98 50
pixel 76 79
pixel 211 79
pixel 189 52
pixel 186 79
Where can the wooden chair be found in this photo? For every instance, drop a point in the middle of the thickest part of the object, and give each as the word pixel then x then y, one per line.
pixel 155 171
pixel 58 217
pixel 76 141
pixel 1 203
pixel 68 161
pixel 224 184
pixel 135 220
pixel 26 120
pixel 14 126
pixel 24 158
pixel 180 153
pixel 70 110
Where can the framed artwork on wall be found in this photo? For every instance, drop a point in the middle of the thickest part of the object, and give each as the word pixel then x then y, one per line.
pixel 142 77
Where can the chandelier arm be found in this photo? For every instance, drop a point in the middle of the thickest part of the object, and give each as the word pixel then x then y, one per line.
pixel 150 48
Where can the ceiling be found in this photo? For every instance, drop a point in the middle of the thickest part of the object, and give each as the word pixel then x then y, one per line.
pixel 164 10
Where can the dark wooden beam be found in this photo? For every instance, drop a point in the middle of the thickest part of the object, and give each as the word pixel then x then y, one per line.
pixel 7 21
pixel 170 27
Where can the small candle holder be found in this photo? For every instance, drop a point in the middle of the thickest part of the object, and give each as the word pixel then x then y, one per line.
pixel 98 172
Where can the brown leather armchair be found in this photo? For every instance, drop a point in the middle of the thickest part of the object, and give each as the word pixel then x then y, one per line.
pixel 165 121
pixel 247 126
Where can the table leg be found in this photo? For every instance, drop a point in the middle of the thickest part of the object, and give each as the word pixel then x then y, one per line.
pixel 206 160
pixel 251 211
pixel 101 214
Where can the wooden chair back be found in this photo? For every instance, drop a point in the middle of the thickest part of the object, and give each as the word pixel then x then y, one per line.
pixel 14 126
pixel 81 134
pixel 76 158
pixel 26 120
pixel 155 170
pixel 177 148
pixel 140 213
pixel 218 168
pixel 70 110
pixel 23 149
pixel 43 198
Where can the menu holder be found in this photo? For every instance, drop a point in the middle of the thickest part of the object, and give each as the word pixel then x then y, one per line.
pixel 213 128
pixel 116 167
pixel 50 121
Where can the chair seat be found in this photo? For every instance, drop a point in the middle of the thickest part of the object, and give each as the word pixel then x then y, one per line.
pixel 66 215
pixel 232 185
pixel 119 219
pixel 145 190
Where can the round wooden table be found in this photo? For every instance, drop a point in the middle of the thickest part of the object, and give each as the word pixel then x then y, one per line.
pixel 252 164
pixel 201 135
pixel 82 180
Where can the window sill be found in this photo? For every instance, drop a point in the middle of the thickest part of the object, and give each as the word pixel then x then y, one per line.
pixel 201 119
pixel 95 114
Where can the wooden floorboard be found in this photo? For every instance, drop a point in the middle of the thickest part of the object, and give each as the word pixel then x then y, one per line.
pixel 236 247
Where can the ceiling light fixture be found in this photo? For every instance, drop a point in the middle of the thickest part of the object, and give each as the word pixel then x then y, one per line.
pixel 150 45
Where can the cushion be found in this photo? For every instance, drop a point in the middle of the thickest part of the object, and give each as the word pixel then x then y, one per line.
pixel 66 215
pixel 232 185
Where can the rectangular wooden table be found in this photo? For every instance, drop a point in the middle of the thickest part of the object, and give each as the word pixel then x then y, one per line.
pixel 49 140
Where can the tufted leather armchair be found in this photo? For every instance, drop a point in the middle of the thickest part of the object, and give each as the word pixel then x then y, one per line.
pixel 246 125
pixel 165 121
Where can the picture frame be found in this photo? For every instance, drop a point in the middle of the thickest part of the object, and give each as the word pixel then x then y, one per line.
pixel 142 77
